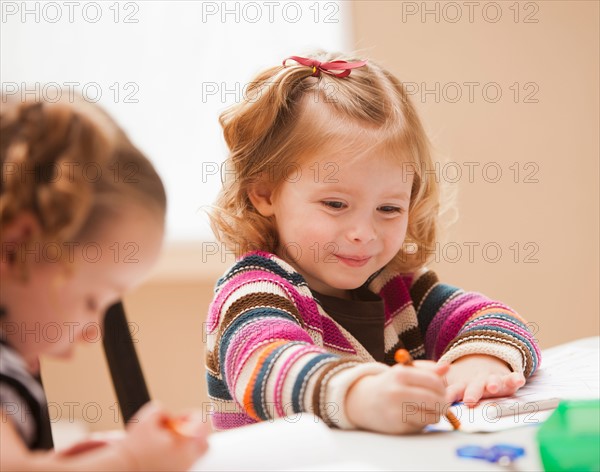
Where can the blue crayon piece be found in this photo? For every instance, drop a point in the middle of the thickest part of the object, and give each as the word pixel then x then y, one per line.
pixel 496 453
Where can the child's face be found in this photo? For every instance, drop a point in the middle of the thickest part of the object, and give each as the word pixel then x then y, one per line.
pixel 55 308
pixel 343 219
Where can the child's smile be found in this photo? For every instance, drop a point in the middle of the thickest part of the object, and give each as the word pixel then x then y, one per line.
pixel 338 232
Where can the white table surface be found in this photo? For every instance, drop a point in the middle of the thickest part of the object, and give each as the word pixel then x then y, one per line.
pixel 434 451
pixel 307 444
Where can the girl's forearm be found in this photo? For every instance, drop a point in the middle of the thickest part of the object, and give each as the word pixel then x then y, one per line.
pixel 107 458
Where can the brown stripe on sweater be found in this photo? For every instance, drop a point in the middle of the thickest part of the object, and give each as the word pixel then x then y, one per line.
pixel 211 364
pixel 412 338
pixel 389 355
pixel 421 287
pixel 319 409
pixel 252 300
pixel 413 345
pixel 499 338
pixel 418 353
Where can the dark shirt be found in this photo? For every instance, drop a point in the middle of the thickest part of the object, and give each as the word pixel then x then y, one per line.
pixel 363 317
pixel 23 400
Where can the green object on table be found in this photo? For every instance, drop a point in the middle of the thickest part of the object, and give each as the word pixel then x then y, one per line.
pixel 570 438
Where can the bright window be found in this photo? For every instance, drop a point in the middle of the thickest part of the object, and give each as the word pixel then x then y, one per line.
pixel 164 70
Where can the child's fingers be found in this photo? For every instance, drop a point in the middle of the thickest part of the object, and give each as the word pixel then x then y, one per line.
pixel 419 407
pixel 420 378
pixel 424 417
pixel 455 392
pixel 515 379
pixel 442 368
pixel 198 428
pixel 151 411
pixel 510 384
pixel 474 392
pixel 421 399
pixel 439 368
pixel 425 364
pixel 494 384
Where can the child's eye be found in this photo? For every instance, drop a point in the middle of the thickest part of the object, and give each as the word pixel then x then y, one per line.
pixel 389 209
pixel 334 204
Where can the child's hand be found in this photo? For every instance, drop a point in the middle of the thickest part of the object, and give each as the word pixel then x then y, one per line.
pixel 399 400
pixel 97 439
pixel 478 376
pixel 152 446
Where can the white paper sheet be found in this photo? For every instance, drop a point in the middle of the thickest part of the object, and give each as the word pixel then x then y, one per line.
pixel 568 372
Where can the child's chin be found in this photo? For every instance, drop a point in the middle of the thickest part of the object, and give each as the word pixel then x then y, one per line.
pixel 64 352
pixel 349 284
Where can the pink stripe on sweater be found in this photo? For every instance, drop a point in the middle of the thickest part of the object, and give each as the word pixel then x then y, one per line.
pixel 463 300
pixel 332 336
pixel 395 296
pixel 255 334
pixel 283 370
pixel 265 254
pixel 237 281
pixel 307 305
pixel 408 279
pixel 230 420
pixel 455 321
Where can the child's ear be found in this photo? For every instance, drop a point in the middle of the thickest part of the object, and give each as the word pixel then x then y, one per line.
pixel 15 234
pixel 261 196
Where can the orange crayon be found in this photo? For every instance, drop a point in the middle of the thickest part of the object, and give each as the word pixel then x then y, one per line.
pixel 402 356
pixel 177 426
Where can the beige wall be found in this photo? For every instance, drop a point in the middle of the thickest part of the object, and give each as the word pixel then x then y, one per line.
pixel 557 216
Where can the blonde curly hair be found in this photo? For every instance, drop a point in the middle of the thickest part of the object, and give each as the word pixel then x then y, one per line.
pixel 71 166
pixel 273 129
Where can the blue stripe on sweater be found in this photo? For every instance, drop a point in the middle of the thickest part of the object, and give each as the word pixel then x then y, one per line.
pixel 503 315
pixel 432 304
pixel 249 262
pixel 301 377
pixel 258 400
pixel 217 388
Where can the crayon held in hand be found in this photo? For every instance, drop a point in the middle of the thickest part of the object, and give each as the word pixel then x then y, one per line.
pixel 177 426
pixel 402 356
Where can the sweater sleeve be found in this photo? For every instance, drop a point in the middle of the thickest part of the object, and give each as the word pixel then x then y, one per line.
pixel 455 323
pixel 262 360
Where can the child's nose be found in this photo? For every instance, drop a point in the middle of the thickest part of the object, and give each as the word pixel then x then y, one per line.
pixel 361 230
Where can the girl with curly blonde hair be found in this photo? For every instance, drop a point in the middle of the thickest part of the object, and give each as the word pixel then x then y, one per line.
pixel 82 213
pixel 333 214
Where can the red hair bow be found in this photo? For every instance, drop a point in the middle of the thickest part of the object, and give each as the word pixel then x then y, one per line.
pixel 327 67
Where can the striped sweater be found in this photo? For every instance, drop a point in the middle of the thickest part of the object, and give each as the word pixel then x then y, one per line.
pixel 273 351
